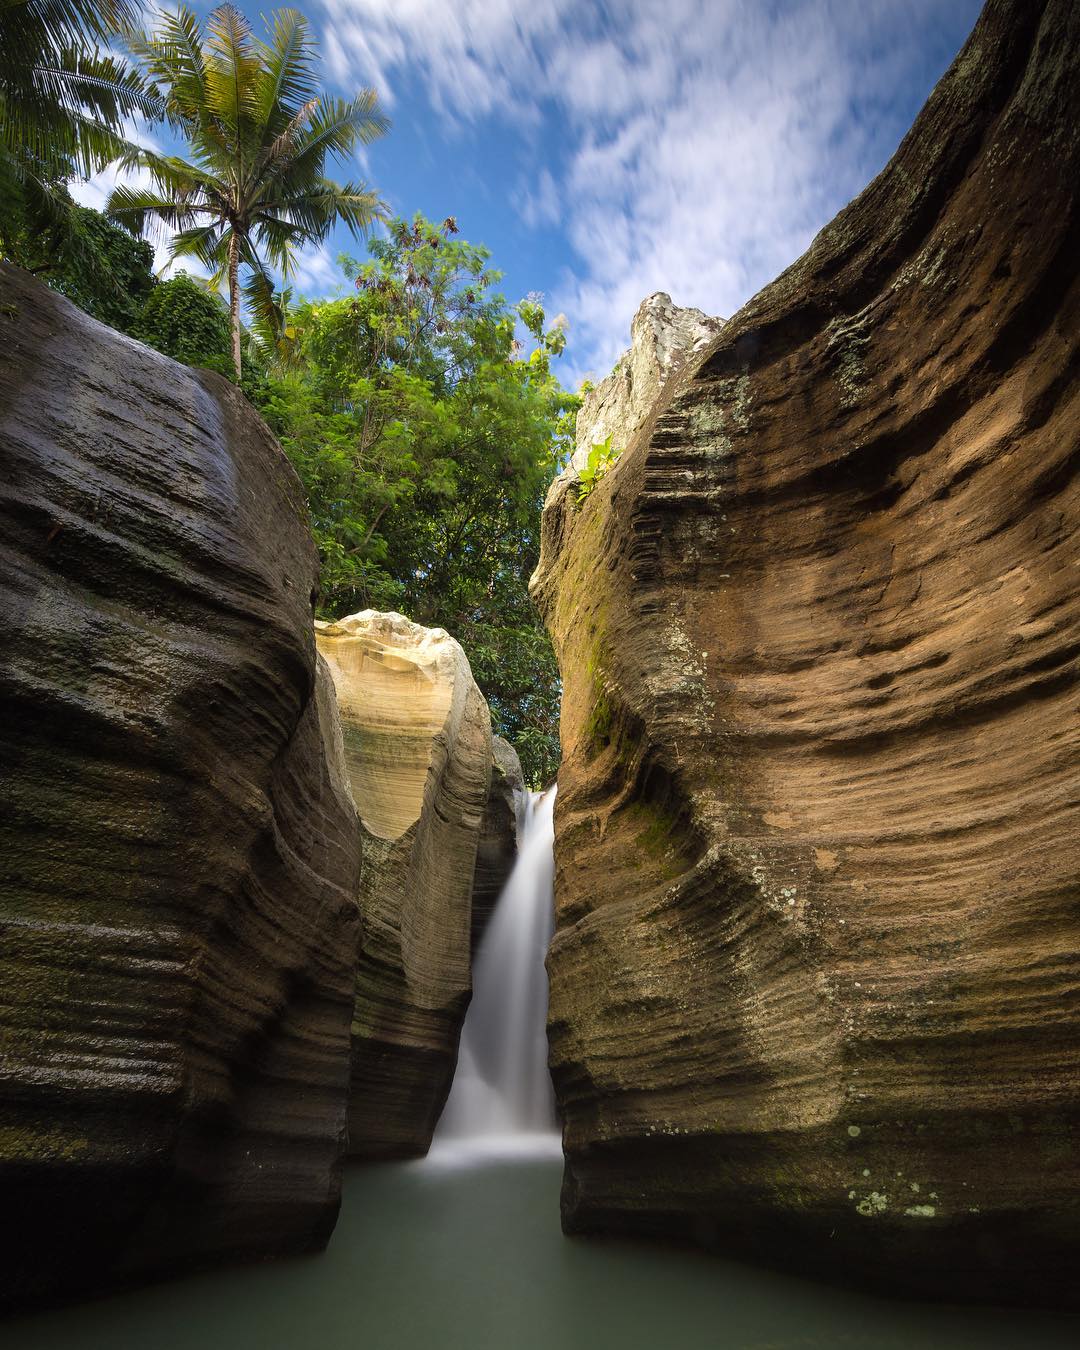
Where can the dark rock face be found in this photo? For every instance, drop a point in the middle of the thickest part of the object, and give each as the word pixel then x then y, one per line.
pixel 814 980
pixel 498 842
pixel 177 853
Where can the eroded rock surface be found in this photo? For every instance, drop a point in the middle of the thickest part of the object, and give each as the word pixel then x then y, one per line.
pixel 498 843
pixel 178 860
pixel 418 749
pixel 814 984
pixel 663 337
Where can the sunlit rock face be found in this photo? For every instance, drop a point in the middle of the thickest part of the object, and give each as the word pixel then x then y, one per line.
pixel 418 749
pixel 663 338
pixel 177 892
pixel 814 979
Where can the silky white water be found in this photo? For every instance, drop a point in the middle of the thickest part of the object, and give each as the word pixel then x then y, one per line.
pixel 502 1098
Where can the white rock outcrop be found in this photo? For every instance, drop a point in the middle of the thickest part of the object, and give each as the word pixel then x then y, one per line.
pixel 419 757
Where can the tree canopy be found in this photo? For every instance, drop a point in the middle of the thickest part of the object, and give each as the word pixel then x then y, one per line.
pixel 188 322
pixel 420 409
pixel 85 257
pixel 426 437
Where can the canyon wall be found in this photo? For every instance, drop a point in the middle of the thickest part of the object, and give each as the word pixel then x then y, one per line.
pixel 663 338
pixel 814 983
pixel 497 846
pixel 178 860
pixel 436 819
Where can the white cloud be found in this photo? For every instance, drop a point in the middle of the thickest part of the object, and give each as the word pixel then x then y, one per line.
pixel 314 271
pixel 474 50
pixel 538 202
pixel 693 146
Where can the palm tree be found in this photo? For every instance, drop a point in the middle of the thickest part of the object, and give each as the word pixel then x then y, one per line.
pixel 64 99
pixel 260 133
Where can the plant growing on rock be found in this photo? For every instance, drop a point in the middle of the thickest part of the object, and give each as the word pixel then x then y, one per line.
pixel 602 455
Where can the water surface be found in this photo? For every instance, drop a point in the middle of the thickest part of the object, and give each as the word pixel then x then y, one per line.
pixel 444 1255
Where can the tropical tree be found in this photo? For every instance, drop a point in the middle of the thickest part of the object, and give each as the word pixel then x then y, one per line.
pixel 260 132
pixel 87 258
pixel 64 100
pixel 426 435
pixel 187 321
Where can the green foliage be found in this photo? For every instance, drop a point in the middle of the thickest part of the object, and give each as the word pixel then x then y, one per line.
pixel 187 322
pixel 260 132
pixel 88 259
pixel 602 455
pixel 63 103
pixel 426 437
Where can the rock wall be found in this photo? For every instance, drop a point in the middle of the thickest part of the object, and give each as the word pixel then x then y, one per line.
pixel 663 338
pixel 177 857
pixel 814 984
pixel 418 750
pixel 498 843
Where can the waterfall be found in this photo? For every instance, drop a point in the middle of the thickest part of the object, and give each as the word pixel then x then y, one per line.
pixel 501 1095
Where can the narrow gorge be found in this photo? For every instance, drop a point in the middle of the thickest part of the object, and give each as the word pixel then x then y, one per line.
pixel 782 969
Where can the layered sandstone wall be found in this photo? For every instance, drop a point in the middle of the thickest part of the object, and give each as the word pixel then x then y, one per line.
pixel 814 984
pixel 178 861
pixel 497 846
pixel 664 337
pixel 430 799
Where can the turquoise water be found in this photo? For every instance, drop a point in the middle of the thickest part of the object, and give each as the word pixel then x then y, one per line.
pixel 430 1257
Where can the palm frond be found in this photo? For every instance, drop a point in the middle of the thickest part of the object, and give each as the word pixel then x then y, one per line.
pixel 316 210
pixel 173 56
pixel 207 243
pixel 268 312
pixel 29 28
pixel 129 206
pixel 186 182
pixel 232 70
pixel 100 86
pixel 279 238
pixel 64 104
pixel 337 126
pixel 284 144
pixel 286 80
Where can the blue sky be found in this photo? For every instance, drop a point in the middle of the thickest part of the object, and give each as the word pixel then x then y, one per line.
pixel 605 151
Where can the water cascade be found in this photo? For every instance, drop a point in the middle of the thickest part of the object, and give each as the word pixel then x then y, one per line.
pixel 502 1095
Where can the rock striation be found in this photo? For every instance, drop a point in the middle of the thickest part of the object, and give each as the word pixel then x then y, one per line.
pixel 498 843
pixel 815 983
pixel 663 337
pixel 177 885
pixel 429 795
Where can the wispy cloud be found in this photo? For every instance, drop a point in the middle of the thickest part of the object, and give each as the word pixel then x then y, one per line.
pixel 539 202
pixel 315 272
pixel 693 146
